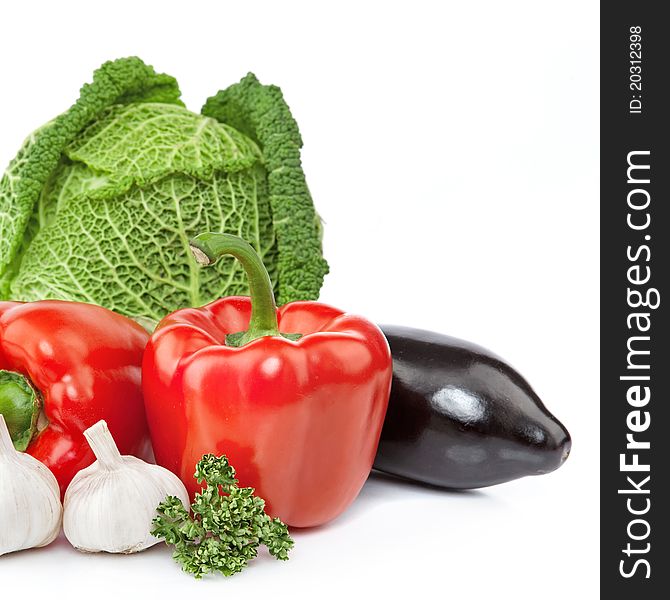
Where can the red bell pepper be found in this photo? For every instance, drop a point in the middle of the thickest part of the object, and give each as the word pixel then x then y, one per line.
pixel 298 413
pixel 63 367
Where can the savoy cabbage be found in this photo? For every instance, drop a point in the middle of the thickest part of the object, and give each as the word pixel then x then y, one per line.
pixel 100 203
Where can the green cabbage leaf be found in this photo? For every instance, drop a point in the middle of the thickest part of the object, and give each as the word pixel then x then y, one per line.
pixel 99 204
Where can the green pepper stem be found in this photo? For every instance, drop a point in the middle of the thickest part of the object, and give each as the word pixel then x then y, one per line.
pixel 207 248
pixel 20 404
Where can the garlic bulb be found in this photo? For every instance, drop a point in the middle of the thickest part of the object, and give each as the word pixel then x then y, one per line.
pixel 30 508
pixel 109 506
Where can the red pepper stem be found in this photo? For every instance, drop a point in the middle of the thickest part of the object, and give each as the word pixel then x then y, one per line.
pixel 103 445
pixel 207 248
pixel 20 404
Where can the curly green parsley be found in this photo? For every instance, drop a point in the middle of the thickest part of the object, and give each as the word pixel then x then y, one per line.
pixel 228 524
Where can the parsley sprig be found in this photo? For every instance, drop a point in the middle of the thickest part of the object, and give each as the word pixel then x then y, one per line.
pixel 226 528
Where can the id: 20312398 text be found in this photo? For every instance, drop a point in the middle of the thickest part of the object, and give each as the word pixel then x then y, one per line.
pixel 635 70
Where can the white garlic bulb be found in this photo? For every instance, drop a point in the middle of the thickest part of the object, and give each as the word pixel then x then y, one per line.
pixel 30 507
pixel 109 506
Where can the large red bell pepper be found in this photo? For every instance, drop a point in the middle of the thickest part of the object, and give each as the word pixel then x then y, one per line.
pixel 63 367
pixel 298 413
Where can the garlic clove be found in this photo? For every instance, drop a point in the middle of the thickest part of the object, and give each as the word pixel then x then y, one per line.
pixel 30 507
pixel 110 505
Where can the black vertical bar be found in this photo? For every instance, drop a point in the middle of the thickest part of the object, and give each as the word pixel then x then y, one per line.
pixel 635 269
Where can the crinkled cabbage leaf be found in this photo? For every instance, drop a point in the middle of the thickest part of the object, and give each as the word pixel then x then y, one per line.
pixel 99 204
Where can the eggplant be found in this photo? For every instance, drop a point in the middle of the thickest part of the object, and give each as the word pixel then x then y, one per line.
pixel 460 417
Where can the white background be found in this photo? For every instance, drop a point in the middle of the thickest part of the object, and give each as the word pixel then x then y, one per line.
pixel 452 151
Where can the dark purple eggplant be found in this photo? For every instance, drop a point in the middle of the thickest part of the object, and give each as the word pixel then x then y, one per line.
pixel 460 417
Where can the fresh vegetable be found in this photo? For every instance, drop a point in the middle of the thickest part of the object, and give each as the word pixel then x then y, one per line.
pixel 99 204
pixel 228 525
pixel 63 367
pixel 460 417
pixel 294 397
pixel 30 508
pixel 109 506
